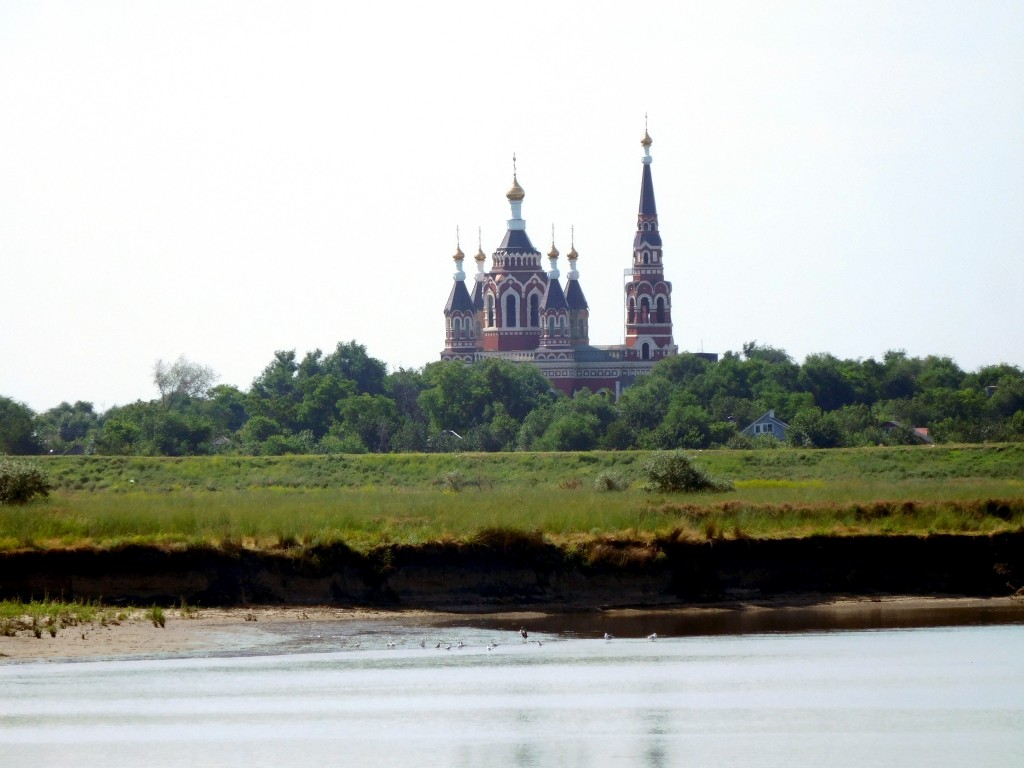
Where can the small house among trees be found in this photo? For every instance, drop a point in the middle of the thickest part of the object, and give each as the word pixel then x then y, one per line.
pixel 768 425
pixel 917 434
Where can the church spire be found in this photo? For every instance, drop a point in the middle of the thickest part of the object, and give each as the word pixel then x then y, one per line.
pixel 648 293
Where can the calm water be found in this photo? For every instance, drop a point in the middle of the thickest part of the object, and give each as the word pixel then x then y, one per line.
pixel 936 696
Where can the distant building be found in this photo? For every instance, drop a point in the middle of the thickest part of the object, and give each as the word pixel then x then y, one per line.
pixel 768 425
pixel 920 434
pixel 521 312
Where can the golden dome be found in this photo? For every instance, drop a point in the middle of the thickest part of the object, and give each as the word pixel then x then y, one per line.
pixel 572 255
pixel 646 140
pixel 459 255
pixel 515 192
pixel 480 255
pixel 553 253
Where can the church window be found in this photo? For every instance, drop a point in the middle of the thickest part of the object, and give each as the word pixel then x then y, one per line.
pixel 661 309
pixel 534 310
pixel 490 311
pixel 645 351
pixel 551 326
pixel 645 310
pixel 630 310
pixel 510 311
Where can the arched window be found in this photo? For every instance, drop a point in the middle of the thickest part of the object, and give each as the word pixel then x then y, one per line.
pixel 534 311
pixel 490 311
pixel 661 309
pixel 551 326
pixel 510 310
pixel 645 310
pixel 630 310
pixel 645 351
pixel 457 324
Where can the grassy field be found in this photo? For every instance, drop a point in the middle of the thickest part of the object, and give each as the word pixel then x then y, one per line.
pixel 365 501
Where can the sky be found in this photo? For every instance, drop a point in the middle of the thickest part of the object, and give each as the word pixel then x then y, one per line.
pixel 222 180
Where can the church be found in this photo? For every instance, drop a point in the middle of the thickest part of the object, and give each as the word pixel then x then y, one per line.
pixel 520 311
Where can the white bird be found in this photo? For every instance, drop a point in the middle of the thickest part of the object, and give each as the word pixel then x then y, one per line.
pixel 490 646
pixel 608 637
pixel 539 643
pixel 652 636
pixel 460 644
pixel 448 647
pixel 391 643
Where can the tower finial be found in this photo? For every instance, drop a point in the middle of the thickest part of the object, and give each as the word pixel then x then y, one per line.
pixel 458 242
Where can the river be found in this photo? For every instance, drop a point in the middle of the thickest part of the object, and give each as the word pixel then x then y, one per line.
pixel 369 694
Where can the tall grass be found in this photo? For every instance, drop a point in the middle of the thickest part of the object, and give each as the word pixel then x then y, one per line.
pixel 364 501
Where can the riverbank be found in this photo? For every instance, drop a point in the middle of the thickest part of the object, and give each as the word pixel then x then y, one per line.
pixel 261 629
pixel 503 570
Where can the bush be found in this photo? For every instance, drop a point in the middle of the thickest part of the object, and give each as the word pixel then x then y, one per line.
pixel 610 481
pixel 21 481
pixel 673 472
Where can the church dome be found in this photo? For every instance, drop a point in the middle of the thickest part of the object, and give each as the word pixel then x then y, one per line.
pixel 553 253
pixel 480 255
pixel 459 255
pixel 515 192
pixel 646 141
pixel 572 255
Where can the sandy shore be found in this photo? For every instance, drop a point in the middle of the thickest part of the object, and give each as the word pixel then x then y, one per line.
pixel 209 630
pixel 238 631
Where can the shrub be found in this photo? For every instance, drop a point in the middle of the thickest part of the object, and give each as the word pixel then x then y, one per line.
pixel 21 481
pixel 610 481
pixel 454 481
pixel 673 472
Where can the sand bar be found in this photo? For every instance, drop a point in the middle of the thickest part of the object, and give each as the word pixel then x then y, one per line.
pixel 243 631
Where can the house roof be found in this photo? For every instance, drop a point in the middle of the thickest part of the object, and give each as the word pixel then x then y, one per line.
pixel 767 418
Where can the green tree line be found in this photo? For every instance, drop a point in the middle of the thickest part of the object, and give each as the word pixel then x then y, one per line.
pixel 346 401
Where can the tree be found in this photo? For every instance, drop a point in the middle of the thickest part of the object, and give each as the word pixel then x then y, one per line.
pixel 68 428
pixel 813 428
pixel 372 418
pixel 21 481
pixel 182 378
pixel 349 362
pixel 17 428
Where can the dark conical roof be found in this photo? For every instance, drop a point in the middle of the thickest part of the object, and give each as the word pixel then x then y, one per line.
pixel 647 205
pixel 574 295
pixel 517 241
pixel 553 297
pixel 458 299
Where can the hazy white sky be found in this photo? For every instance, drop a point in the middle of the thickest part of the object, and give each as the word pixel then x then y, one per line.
pixel 226 179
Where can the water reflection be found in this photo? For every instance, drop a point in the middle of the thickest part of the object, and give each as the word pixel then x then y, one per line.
pixel 932 696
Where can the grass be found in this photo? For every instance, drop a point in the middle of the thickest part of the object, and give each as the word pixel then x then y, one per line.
pixel 52 616
pixel 295 502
